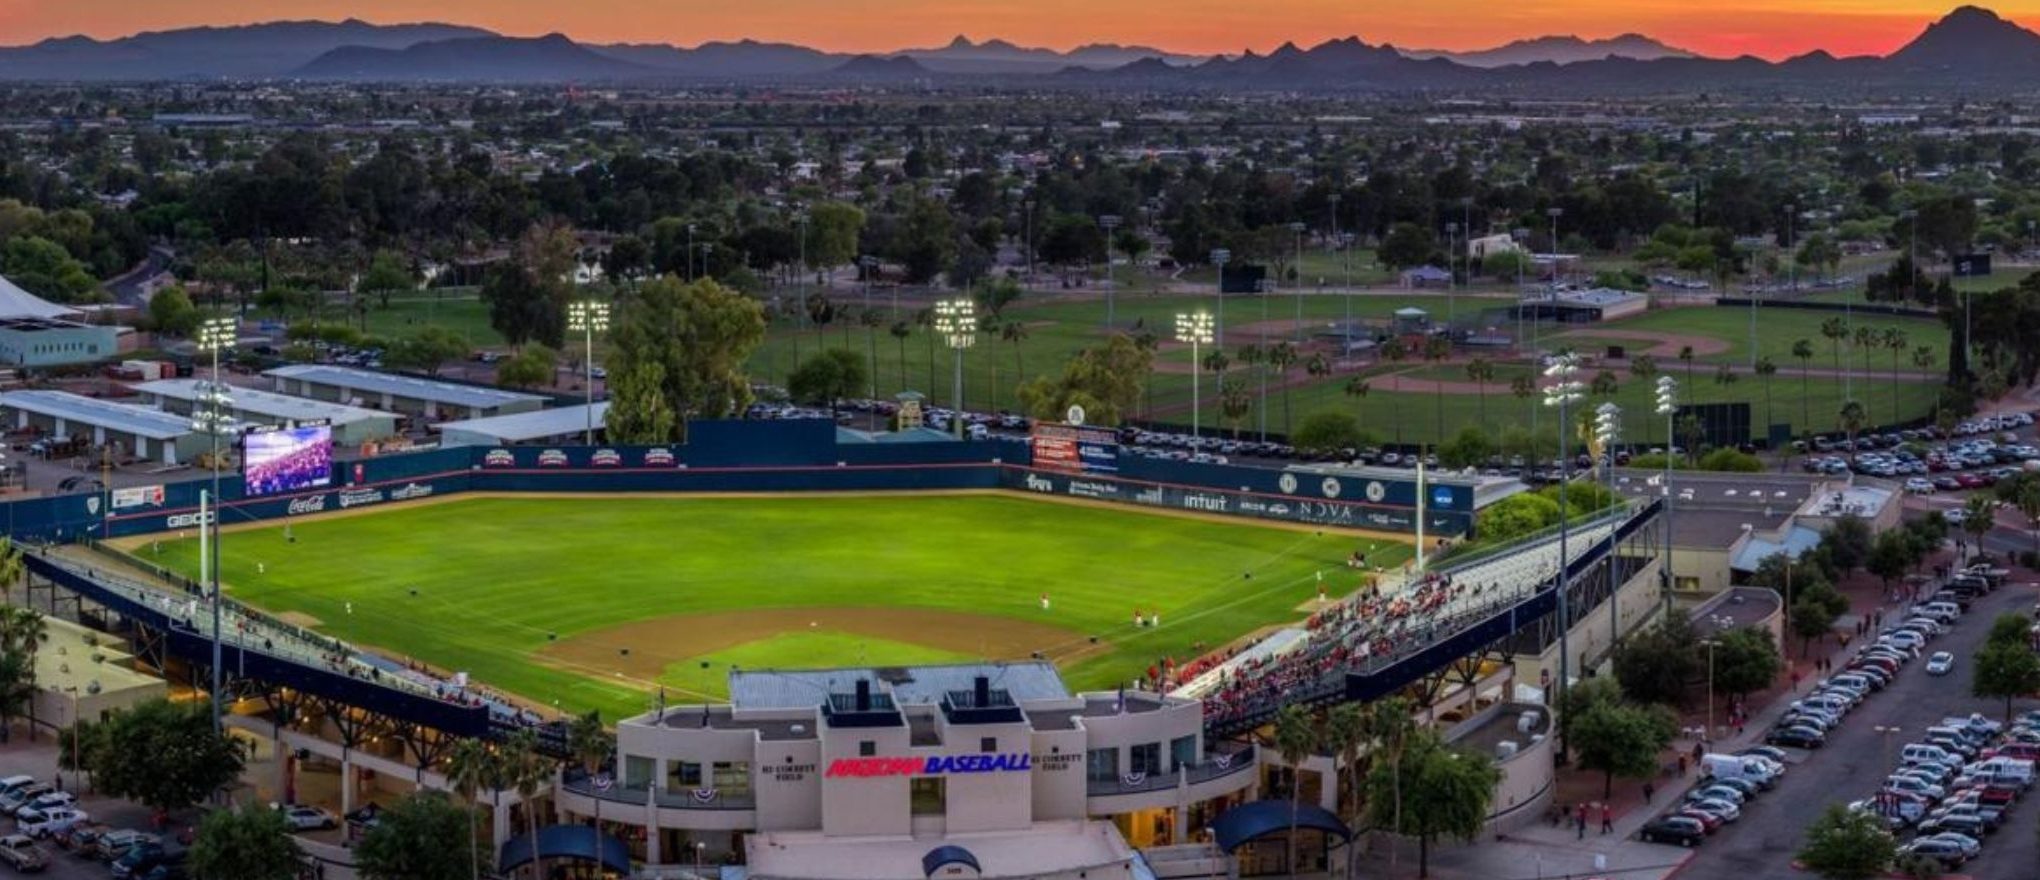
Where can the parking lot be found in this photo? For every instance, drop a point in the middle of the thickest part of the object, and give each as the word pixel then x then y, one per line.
pixel 1857 757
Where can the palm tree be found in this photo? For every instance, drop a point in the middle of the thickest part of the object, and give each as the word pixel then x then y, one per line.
pixel 1766 368
pixel 1015 332
pixel 1389 728
pixel 1852 418
pixel 1835 330
pixel 1346 735
pixel 924 321
pixel 1357 388
pixel 11 568
pixel 22 633
pixel 591 745
pixel 1923 358
pixel 1894 339
pixel 900 330
pixel 1645 369
pixel 470 767
pixel 1296 738
pixel 1686 357
pixel 1147 341
pixel 1803 350
pixel 1234 403
pixel 1282 356
pixel 1252 355
pixel 1866 338
pixel 872 319
pixel 1481 371
pixel 1436 350
pixel 1525 388
pixel 527 771
pixel 2028 502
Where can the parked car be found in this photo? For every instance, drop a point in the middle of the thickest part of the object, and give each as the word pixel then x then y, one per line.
pixel 113 844
pixel 1941 663
pixel 304 818
pixel 1681 830
pixel 41 823
pixel 21 854
pixel 1797 736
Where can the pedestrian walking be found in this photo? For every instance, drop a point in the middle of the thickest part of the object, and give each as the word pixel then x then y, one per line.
pixel 1648 790
pixel 1607 818
pixel 1581 822
pixel 1682 763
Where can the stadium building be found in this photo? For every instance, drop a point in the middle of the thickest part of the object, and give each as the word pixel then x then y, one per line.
pixel 870 773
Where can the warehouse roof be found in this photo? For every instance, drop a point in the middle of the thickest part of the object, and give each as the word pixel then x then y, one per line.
pixel 280 407
pixel 534 425
pixel 125 418
pixel 401 386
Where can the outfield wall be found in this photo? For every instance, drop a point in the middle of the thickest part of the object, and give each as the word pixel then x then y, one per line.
pixel 764 456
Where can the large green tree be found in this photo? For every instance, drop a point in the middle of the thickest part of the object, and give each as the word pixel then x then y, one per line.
pixel 426 351
pixel 1106 380
pixel 690 343
pixel 2006 667
pixel 247 842
pixel 1846 845
pixel 165 755
pixel 420 837
pixel 1622 740
pixel 1745 661
pixel 827 377
pixel 1443 793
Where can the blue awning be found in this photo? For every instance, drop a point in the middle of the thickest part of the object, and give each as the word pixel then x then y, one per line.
pixel 564 842
pixel 1259 819
pixel 941 856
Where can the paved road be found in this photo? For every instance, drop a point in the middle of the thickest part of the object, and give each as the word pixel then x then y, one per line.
pixel 1854 760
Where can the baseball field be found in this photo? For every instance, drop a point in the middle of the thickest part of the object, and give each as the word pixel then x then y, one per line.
pixel 596 603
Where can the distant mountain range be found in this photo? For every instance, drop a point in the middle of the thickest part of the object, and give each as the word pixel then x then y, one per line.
pixel 1558 50
pixel 1970 47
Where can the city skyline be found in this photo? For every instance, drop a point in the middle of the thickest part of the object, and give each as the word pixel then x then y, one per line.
pixel 1773 31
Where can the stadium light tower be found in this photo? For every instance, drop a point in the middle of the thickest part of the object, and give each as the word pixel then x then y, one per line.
pixel 209 415
pixel 1607 430
pixel 1220 257
pixel 956 320
pixel 589 316
pixel 1194 328
pixel 1668 406
pixel 1565 390
pixel 1109 222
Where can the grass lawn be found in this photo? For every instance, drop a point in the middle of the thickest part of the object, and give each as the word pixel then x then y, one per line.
pixel 541 597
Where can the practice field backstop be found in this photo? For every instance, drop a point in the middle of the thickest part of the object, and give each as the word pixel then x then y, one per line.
pixel 773 456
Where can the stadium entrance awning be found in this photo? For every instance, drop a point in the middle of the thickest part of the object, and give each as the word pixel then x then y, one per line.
pixel 1253 821
pixel 577 842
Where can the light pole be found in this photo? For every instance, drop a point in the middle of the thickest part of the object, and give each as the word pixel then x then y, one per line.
pixel 690 252
pixel 1709 644
pixel 870 265
pixel 1451 273
pixel 1027 242
pixel 1887 731
pixel 1194 328
pixel 214 336
pixel 1554 214
pixel 1345 268
pixel 1220 257
pixel 1109 222
pixel 1297 227
pixel 590 316
pixel 1564 391
pixel 956 320
pixel 1668 406
pixel 1607 430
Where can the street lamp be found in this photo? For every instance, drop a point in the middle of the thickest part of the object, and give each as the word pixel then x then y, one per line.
pixel 1564 390
pixel 1451 270
pixel 690 252
pixel 870 265
pixel 1108 223
pixel 589 316
pixel 1220 257
pixel 1709 644
pixel 209 416
pixel 1298 227
pixel 1668 406
pixel 956 320
pixel 1554 214
pixel 1607 430
pixel 1194 328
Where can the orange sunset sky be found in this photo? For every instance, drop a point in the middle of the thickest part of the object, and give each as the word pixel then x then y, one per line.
pixel 1771 29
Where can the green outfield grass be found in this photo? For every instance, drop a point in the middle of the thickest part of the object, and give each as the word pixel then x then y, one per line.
pixel 540 597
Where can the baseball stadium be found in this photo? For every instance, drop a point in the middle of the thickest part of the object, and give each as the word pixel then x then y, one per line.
pixel 827 657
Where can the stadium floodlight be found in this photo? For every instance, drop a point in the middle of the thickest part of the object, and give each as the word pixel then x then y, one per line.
pixel 1196 329
pixel 1668 406
pixel 214 336
pixel 589 316
pixel 1108 223
pixel 1563 392
pixel 1607 430
pixel 956 321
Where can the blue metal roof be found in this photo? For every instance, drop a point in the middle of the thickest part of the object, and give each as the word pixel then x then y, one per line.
pixel 1253 821
pixel 564 842
pixel 942 856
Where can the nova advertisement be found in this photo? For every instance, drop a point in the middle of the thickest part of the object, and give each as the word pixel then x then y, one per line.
pixel 1075 450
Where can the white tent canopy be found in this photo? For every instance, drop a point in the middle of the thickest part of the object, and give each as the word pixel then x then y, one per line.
pixel 18 303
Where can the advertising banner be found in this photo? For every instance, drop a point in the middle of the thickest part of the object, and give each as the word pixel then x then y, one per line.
pixel 1347 514
pixel 1075 450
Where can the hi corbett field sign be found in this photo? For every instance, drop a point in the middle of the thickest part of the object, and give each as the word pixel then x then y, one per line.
pixel 937 765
